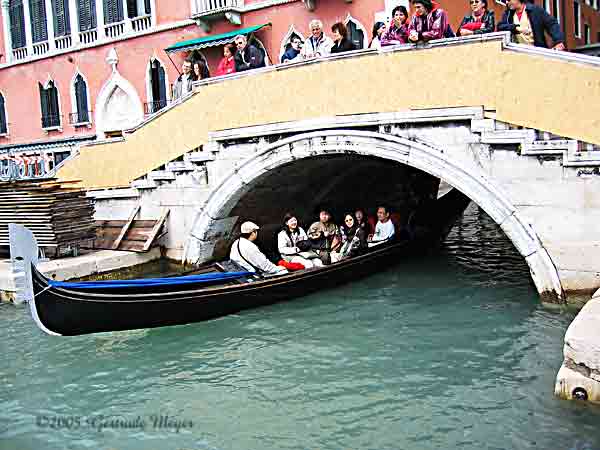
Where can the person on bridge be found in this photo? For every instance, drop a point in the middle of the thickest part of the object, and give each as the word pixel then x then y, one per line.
pixel 247 254
pixel 384 230
pixel 528 23
pixel 325 236
pixel 201 71
pixel 428 23
pixel 292 53
pixel 183 85
pixel 293 244
pixel 398 31
pixel 379 29
pixel 481 20
pixel 341 43
pixel 247 57
pixel 318 44
pixel 227 63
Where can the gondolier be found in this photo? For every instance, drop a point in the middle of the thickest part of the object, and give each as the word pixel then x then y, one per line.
pixel 246 253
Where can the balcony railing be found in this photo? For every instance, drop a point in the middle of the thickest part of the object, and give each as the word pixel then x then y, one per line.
pixel 114 30
pixel 153 107
pixel 19 53
pixel 63 42
pixel 89 36
pixel 41 48
pixel 80 117
pixel 141 23
pixel 204 7
pixel 51 121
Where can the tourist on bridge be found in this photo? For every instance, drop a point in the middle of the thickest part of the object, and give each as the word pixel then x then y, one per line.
pixel 428 23
pixel 318 44
pixel 398 31
pixel 325 236
pixel 528 22
pixel 384 230
pixel 294 245
pixel 246 253
pixel 183 85
pixel 227 63
pixel 292 53
pixel 200 71
pixel 354 238
pixel 481 20
pixel 379 29
pixel 341 43
pixel 247 57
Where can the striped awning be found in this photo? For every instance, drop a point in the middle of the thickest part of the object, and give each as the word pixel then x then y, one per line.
pixel 212 41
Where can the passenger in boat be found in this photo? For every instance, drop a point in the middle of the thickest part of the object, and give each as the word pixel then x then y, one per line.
pixel 397 33
pixel 428 23
pixel 294 245
pixel 325 236
pixel 367 223
pixel 384 230
pixel 247 254
pixel 227 63
pixel 341 43
pixel 481 20
pixel 354 239
pixel 318 44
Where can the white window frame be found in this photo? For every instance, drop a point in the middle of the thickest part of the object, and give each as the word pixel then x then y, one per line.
pixel 577 19
pixel 149 81
pixel 58 127
pixel 557 12
pixel 74 99
pixel 5 116
pixel 587 34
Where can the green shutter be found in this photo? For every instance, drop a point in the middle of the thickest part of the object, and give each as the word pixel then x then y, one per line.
pixel 37 11
pixel 3 126
pixel 60 10
pixel 17 23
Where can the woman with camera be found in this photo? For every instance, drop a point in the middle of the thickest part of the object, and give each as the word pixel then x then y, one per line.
pixel 294 246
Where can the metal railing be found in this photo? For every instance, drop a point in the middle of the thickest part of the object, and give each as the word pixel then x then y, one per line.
pixel 19 53
pixel 89 36
pixel 63 42
pixel 51 121
pixel 153 107
pixel 209 6
pixel 141 23
pixel 113 30
pixel 80 117
pixel 41 48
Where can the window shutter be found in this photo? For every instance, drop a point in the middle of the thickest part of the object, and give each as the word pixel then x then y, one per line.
pixel 81 100
pixel 44 106
pixel 17 23
pixel 162 87
pixel 2 116
pixel 60 9
pixel 112 11
pixel 86 13
pixel 147 7
pixel 53 104
pixel 132 9
pixel 37 9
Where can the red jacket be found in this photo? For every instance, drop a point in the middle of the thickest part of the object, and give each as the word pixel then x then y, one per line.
pixel 226 67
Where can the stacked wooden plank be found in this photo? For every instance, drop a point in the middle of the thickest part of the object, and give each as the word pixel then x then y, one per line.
pixel 57 215
pixel 134 235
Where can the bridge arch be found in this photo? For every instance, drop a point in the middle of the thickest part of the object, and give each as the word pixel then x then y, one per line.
pixel 471 181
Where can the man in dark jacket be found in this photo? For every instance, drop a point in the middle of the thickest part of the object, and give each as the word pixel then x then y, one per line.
pixel 528 22
pixel 247 56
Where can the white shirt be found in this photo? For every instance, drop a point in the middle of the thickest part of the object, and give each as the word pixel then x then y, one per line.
pixel 184 84
pixel 383 233
pixel 252 253
pixel 286 245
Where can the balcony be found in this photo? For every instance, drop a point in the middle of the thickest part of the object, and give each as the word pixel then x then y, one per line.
pixel 207 10
pixel 63 42
pixel 89 36
pixel 80 118
pixel 114 30
pixel 141 23
pixel 19 53
pixel 41 48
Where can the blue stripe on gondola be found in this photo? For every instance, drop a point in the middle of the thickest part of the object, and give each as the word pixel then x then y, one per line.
pixel 188 279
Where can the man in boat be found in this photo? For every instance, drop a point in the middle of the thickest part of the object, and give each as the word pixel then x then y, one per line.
pixel 384 230
pixel 325 236
pixel 247 254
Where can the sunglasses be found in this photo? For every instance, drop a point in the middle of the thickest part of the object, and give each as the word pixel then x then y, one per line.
pixel 474 2
pixel 349 220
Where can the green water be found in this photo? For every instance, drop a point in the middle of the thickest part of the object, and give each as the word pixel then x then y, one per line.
pixel 449 351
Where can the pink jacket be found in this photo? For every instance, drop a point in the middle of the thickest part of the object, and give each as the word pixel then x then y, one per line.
pixel 431 27
pixel 395 33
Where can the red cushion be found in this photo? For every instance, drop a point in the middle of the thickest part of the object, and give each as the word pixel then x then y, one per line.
pixel 472 26
pixel 290 265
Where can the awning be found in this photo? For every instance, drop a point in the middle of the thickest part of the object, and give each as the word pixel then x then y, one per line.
pixel 212 41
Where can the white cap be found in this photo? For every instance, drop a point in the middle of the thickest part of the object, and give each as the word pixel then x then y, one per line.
pixel 249 227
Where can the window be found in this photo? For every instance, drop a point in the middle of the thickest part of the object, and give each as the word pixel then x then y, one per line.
pixel 355 34
pixel 577 18
pixel 547 6
pixel 17 23
pixel 113 11
pixel 81 114
pixel 37 11
pixel 137 8
pixel 86 14
pixel 49 104
pixel 556 9
pixel 60 11
pixel 158 88
pixel 587 34
pixel 3 125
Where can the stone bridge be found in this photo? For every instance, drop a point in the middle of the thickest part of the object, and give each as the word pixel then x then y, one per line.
pixel 369 127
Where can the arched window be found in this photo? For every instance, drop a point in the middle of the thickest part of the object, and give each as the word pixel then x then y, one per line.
pixel 356 33
pixel 50 106
pixel 81 115
pixel 37 12
pixel 113 11
pixel 86 14
pixel 158 87
pixel 3 124
pixel 17 23
pixel 60 11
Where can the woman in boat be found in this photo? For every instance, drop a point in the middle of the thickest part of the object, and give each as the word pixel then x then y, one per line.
pixel 293 244
pixel 367 223
pixel 354 239
pixel 247 254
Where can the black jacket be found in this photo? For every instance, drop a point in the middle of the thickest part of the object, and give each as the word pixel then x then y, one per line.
pixel 345 45
pixel 540 21
pixel 489 24
pixel 249 58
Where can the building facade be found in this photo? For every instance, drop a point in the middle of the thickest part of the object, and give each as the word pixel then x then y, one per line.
pixel 78 70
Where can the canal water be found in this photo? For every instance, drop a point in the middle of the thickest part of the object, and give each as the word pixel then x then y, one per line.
pixel 448 351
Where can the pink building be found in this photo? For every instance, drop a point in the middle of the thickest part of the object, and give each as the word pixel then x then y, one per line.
pixel 77 70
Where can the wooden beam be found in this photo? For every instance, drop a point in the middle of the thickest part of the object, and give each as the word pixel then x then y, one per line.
pixel 125 228
pixel 156 229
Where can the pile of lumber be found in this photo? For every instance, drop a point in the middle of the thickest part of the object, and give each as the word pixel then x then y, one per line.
pixel 58 216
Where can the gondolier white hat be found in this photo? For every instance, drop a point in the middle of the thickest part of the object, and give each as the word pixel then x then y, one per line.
pixel 249 227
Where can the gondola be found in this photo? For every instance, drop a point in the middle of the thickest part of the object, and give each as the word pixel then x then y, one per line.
pixel 80 308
